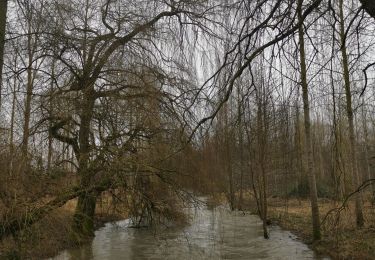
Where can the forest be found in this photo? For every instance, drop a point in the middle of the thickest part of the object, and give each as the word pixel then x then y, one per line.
pixel 119 109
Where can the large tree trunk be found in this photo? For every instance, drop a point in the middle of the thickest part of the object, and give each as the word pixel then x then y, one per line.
pixel 85 210
pixel 309 151
pixel 3 15
pixel 349 111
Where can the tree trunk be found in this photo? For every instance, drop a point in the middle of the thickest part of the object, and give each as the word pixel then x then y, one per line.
pixel 300 167
pixel 3 15
pixel 85 210
pixel 240 147
pixel 12 120
pixel 367 152
pixel 262 144
pixel 349 111
pixel 50 137
pixel 232 196
pixel 306 110
pixel 29 92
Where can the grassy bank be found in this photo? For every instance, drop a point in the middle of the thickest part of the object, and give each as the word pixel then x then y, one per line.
pixel 341 239
pixel 51 235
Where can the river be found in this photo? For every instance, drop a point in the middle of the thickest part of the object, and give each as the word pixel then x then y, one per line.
pixel 212 234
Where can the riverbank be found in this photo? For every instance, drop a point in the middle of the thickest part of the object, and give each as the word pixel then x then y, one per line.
pixel 212 233
pixel 340 237
pixel 51 235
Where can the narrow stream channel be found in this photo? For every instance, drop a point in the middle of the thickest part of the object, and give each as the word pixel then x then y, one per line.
pixel 212 234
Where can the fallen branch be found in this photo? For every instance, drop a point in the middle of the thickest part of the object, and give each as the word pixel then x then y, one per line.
pixel 363 186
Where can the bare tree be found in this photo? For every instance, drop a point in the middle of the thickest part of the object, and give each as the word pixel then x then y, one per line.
pixel 91 75
pixel 307 124
pixel 350 115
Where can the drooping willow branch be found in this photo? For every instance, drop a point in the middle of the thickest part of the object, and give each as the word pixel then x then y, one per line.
pixel 14 225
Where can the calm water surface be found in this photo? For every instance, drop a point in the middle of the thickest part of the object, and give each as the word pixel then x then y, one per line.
pixel 212 234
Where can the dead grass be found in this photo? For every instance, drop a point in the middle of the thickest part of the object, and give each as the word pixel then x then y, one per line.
pixel 52 234
pixel 216 200
pixel 341 239
pixel 42 240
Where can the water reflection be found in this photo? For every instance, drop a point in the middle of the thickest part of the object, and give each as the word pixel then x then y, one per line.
pixel 213 234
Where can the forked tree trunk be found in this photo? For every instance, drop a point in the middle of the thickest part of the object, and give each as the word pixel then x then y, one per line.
pixel 306 112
